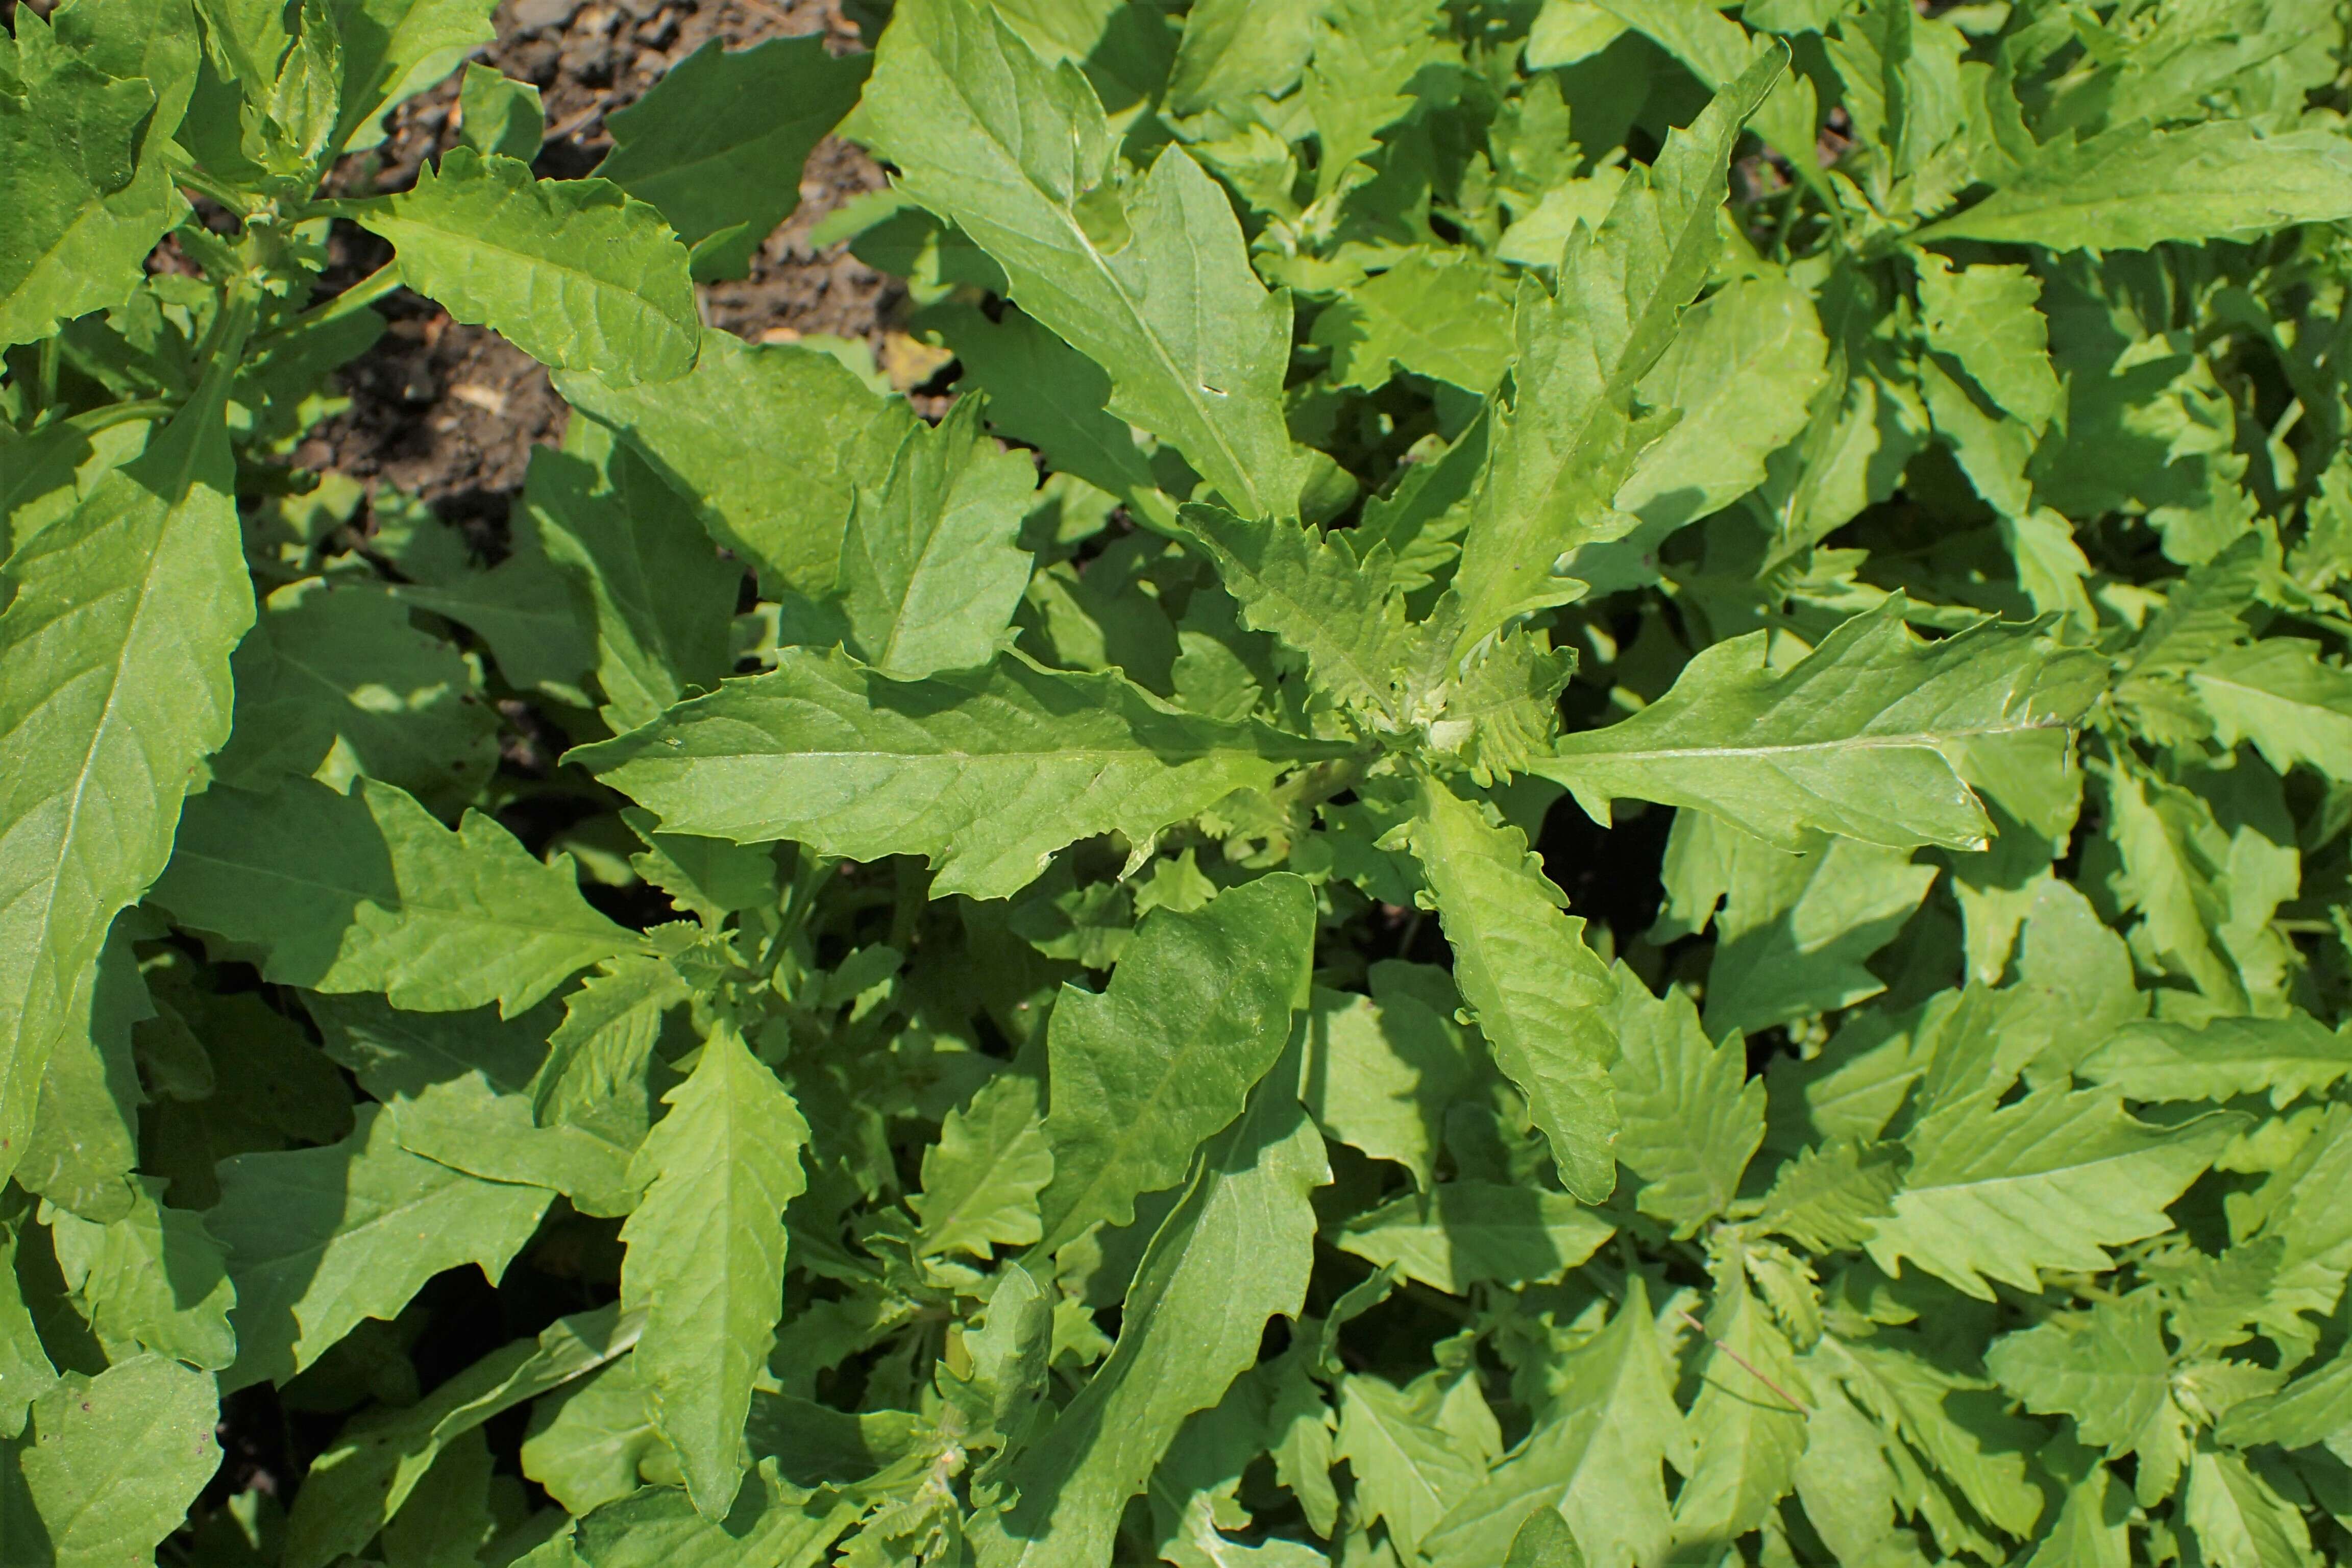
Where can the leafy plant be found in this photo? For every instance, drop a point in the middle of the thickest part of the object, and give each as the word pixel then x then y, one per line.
pixel 1588 808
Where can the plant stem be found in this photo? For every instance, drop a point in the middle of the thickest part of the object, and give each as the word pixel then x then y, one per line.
pixel 1749 1367
pixel 358 297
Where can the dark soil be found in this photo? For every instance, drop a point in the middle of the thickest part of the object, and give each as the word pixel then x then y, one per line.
pixel 450 411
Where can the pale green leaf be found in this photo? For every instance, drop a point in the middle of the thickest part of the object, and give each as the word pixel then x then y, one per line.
pixel 362 1480
pixel 577 274
pixel 1381 1075
pixel 2135 186
pixel 1439 314
pixel 2283 1057
pixel 981 1179
pixel 768 444
pixel 110 1465
pixel 930 568
pixel 2293 706
pixel 1196 1012
pixel 394 49
pixel 1152 283
pixel 85 1139
pixel 1985 317
pixel 114 684
pixel 1747 1434
pixel 2001 1191
pixel 594 1073
pixel 1690 1116
pixel 154 1278
pixel 1466 1233
pixel 2108 1368
pixel 986 772
pixel 1597 1457
pixel 1409 1469
pixel 2316 1407
pixel 367 892
pixel 1539 995
pixel 1874 735
pixel 496 114
pixel 706 1256
pixel 717 146
pixel 2237 1518
pixel 1234 1252
pixel 587 1441
pixel 320 1238
pixel 1572 438
pixel 771 1524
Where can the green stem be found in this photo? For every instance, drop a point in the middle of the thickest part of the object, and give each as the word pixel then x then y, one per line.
pixel 187 176
pixel 113 413
pixel 357 298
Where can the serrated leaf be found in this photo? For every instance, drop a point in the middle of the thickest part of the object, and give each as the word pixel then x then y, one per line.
pixel 2281 695
pixel 88 200
pixel 706 1256
pixel 1152 283
pixel 577 275
pixel 587 1441
pixel 2283 1057
pixel 1830 1198
pixel 1690 1117
pixel 657 594
pixel 2237 1518
pixel 1875 735
pixel 2313 1409
pixel 320 1238
pixel 109 1464
pixel 717 146
pixel 1539 995
pixel 2108 1369
pixel 981 1179
pixel 594 1073
pixel 1596 1456
pixel 1382 1075
pixel 1465 1232
pixel 1747 1435
pixel 1976 1446
pixel 153 1278
pixel 363 1480
pixel 1984 317
pixel 2135 186
pixel 114 684
pixel 767 443
pixel 1198 1009
pixel 1409 1470
pixel 367 892
pixel 986 772
pixel 930 568
pixel 1234 1252
pixel 2001 1191
pixel 85 1139
pixel 1439 314
pixel 1572 438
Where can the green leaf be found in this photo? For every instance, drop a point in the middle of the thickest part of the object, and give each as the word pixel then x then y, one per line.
pixel 986 772
pixel 1874 735
pixel 446 1519
pixel 1196 1012
pixel 1409 1469
pixel 109 1464
pixel 83 181
pixel 394 49
pixel 2108 1369
pixel 717 146
pixel 1539 995
pixel 320 1238
pixel 706 1256
pixel 500 116
pixel 659 596
pixel 768 444
pixel 981 1179
pixel 370 1471
pixel 1985 317
pixel 1152 283
pixel 2001 1191
pixel 85 1139
pixel 154 1278
pixel 1381 1076
pixel 1596 1458
pixel 1950 1423
pixel 1797 931
pixel 587 1440
pixel 1747 1434
pixel 1234 1252
pixel 1441 315
pixel 1571 437
pixel 1367 55
pixel 2134 186
pixel 1465 1232
pixel 594 1075
pixel 577 274
pixel 2293 706
pixel 334 681
pixel 1690 1116
pixel 114 684
pixel 367 892
pixel 930 567
pixel 2284 1058
pixel 771 1522
pixel 2313 1409
pixel 2239 1520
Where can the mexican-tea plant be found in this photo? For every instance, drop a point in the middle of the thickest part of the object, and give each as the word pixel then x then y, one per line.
pixel 985 978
